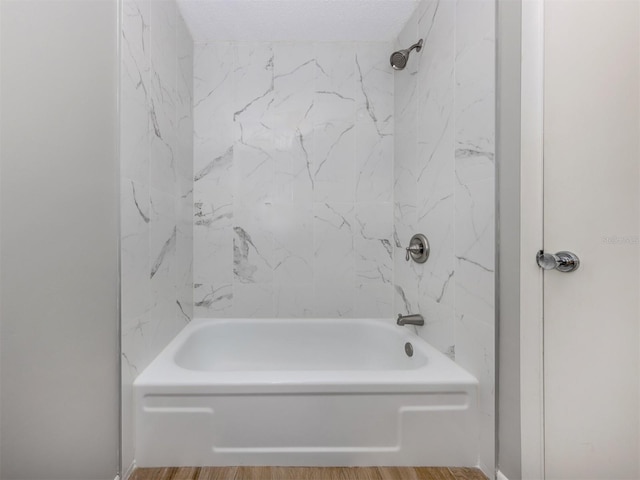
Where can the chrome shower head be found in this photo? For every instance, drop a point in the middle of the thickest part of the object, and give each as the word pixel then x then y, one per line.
pixel 399 59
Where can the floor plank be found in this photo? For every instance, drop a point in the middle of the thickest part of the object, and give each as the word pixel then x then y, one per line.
pixel 307 473
pixel 163 473
pixel 462 473
pixel 217 473
pixel 435 473
pixel 189 473
pixel 358 473
pixel 404 473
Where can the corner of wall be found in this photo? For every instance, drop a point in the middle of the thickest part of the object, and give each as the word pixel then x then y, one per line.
pixel 445 188
pixel 156 158
pixel 501 476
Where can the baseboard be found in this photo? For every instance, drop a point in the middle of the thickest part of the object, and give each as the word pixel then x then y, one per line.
pixel 129 471
pixel 500 476
pixel 488 472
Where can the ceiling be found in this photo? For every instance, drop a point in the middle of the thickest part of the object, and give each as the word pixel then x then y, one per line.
pixel 296 20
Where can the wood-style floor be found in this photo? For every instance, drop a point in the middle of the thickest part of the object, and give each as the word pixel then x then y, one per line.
pixel 307 473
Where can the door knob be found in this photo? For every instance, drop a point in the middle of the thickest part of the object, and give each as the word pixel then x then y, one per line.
pixel 562 261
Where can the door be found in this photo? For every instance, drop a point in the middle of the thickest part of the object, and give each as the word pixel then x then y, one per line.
pixel 591 207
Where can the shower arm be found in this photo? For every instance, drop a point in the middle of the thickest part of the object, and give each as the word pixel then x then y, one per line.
pixel 417 46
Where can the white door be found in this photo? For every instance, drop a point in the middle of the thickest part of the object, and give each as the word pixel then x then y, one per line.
pixel 591 207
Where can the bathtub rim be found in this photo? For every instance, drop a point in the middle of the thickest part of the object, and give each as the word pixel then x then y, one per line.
pixel 439 375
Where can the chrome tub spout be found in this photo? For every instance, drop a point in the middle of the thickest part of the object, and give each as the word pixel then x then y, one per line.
pixel 413 319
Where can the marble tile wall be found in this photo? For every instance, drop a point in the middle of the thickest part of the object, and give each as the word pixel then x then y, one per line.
pixel 444 175
pixel 293 180
pixel 313 164
pixel 156 152
pixel 475 206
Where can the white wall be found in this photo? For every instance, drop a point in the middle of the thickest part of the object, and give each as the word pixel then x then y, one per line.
pixel 445 188
pixel 508 164
pixel 156 151
pixel 0 243
pixel 59 258
pixel 293 180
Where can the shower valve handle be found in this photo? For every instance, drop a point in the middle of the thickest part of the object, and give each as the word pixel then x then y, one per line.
pixel 418 249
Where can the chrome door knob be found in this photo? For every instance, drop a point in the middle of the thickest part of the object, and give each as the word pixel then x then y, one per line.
pixel 562 261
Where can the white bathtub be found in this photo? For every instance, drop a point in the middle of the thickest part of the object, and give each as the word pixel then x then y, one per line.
pixel 314 392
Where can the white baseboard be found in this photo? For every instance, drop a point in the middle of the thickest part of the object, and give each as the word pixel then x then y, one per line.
pixel 500 476
pixel 129 471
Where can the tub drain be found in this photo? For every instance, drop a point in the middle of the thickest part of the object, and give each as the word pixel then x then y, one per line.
pixel 408 349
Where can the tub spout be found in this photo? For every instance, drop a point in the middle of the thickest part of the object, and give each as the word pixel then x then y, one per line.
pixel 414 319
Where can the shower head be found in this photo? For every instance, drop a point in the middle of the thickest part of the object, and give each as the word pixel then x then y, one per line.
pixel 399 59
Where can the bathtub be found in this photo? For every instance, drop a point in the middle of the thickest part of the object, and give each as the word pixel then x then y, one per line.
pixel 303 392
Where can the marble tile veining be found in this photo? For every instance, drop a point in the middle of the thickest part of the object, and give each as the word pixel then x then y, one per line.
pixel 292 142
pixel 307 169
pixel 444 173
pixel 157 202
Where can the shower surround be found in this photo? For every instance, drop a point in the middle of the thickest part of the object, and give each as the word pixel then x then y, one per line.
pixel 293 180
pixel 313 165
pixel 316 163
pixel 444 173
pixel 156 171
